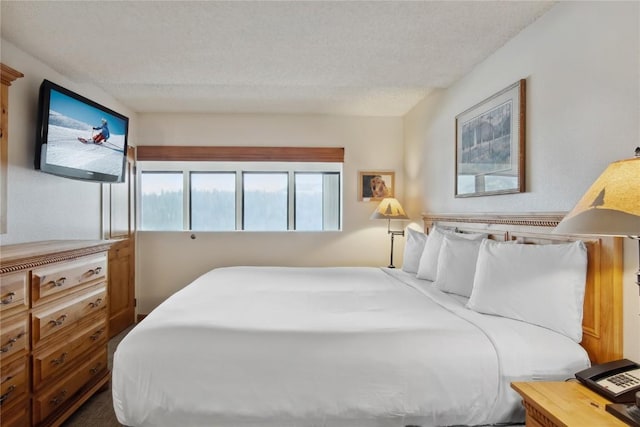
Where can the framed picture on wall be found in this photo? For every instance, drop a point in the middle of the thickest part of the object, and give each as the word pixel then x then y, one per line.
pixel 490 145
pixel 373 186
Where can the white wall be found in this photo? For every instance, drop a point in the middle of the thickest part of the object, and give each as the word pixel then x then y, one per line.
pixel 581 62
pixel 168 261
pixel 42 206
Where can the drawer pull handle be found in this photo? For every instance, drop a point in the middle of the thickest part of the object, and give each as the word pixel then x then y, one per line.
pixel 9 378
pixel 5 396
pixel 96 270
pixel 59 360
pixel 59 398
pixel 59 321
pixel 96 303
pixel 96 335
pixel 8 299
pixel 95 369
pixel 57 283
pixel 11 342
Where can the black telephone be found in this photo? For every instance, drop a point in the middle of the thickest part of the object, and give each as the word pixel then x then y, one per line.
pixel 618 381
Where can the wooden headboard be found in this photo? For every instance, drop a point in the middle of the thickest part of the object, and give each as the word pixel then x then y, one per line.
pixel 602 318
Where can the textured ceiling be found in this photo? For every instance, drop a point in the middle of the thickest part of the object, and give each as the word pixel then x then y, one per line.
pixel 336 57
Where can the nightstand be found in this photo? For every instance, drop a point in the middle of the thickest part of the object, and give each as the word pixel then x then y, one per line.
pixel 551 404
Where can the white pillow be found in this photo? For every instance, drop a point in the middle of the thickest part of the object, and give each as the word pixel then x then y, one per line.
pixel 539 284
pixel 413 248
pixel 428 266
pixel 457 265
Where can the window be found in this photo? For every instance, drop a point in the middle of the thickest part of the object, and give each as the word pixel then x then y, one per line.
pixel 317 197
pixel 251 196
pixel 213 201
pixel 265 201
pixel 161 207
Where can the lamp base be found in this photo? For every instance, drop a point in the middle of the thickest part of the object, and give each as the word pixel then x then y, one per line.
pixel 393 234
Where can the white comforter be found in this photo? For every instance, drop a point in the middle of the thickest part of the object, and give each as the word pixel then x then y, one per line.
pixel 268 346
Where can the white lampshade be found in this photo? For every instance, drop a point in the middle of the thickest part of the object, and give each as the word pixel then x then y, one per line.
pixel 389 208
pixel 611 206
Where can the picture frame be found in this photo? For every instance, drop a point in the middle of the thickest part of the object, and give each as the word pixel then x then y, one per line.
pixel 375 185
pixel 490 145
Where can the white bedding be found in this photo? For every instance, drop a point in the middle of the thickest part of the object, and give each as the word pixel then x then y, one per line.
pixel 349 346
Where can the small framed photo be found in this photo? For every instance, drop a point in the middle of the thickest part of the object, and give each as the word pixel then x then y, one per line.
pixel 375 186
pixel 490 145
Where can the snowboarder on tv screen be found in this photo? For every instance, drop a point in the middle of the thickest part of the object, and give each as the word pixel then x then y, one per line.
pixel 101 136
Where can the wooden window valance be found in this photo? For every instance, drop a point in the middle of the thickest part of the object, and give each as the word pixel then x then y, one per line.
pixel 240 154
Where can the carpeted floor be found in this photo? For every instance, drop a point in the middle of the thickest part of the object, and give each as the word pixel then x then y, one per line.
pixel 98 411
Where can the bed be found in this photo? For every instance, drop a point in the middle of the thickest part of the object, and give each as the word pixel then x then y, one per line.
pixel 354 346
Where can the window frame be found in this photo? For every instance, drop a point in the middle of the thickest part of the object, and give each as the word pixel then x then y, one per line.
pixel 239 167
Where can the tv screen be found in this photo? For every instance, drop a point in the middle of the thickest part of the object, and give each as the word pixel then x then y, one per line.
pixel 79 138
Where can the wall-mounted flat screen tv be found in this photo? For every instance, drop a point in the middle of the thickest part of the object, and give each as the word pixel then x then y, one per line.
pixel 79 138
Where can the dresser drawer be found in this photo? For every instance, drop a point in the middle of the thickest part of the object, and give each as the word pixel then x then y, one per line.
pixel 15 416
pixel 53 319
pixel 53 360
pixel 14 337
pixel 14 292
pixel 52 398
pixel 51 281
pixel 14 382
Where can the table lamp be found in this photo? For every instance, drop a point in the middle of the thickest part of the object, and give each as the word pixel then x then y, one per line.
pixel 611 206
pixel 390 208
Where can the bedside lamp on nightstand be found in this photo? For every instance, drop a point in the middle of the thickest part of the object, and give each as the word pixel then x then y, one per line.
pixel 611 207
pixel 390 208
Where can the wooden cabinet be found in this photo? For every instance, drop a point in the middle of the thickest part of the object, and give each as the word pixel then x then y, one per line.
pixel 54 329
pixel 14 348
pixel 121 286
pixel 8 75
pixel 119 226
pixel 567 404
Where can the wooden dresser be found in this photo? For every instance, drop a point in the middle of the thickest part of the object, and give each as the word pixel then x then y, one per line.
pixel 53 329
